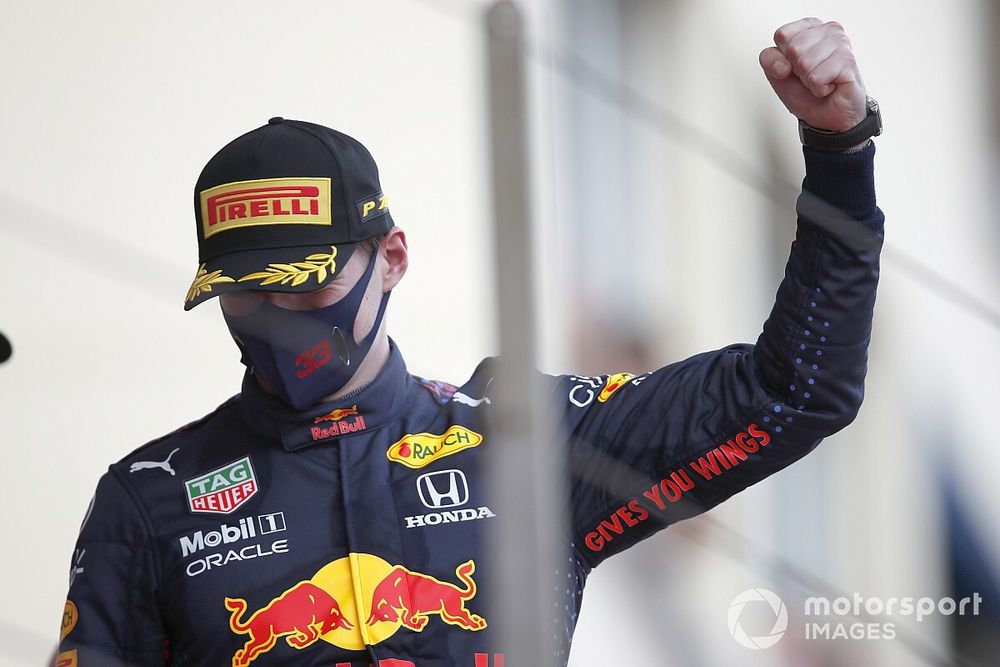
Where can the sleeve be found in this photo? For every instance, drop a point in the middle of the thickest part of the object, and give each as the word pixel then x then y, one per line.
pixel 111 615
pixel 651 450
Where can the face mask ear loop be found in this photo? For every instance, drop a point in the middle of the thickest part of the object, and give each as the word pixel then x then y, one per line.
pixel 369 272
pixel 378 320
pixel 362 284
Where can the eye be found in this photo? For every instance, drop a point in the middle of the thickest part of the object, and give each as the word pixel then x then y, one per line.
pixel 240 303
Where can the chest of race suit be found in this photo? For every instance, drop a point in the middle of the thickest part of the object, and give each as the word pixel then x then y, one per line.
pixel 357 538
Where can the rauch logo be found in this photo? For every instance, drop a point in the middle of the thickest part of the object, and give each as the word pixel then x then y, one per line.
pixel 417 450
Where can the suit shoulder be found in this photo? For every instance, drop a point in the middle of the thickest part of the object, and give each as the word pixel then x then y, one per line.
pixel 443 393
pixel 439 390
pixel 179 437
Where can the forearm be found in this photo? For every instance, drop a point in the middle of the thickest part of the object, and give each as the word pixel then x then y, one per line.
pixel 812 353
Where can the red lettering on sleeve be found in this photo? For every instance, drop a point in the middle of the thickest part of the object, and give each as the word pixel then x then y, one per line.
pixel 626 516
pixel 612 523
pixel 762 436
pixel 594 541
pixel 641 514
pixel 706 466
pixel 654 495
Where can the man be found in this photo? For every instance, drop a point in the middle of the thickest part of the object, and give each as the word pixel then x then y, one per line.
pixel 334 512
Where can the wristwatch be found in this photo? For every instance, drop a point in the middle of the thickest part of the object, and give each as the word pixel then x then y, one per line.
pixel 825 140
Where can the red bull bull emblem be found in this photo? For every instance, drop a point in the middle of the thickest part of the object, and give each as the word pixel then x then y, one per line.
pixel 326 607
pixel 408 597
pixel 294 615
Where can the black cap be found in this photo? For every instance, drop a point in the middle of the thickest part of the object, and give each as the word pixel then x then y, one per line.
pixel 282 208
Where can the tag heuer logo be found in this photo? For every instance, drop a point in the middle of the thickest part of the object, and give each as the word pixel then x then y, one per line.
pixel 222 491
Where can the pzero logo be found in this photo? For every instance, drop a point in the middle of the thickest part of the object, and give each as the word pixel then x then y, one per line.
pixel 324 608
pixel 443 489
pixel 780 618
pixel 163 465
pixel 223 490
pixel 268 201
pixel 416 450
pixel 373 207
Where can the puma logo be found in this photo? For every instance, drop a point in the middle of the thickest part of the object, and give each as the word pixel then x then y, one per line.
pixel 165 465
pixel 465 399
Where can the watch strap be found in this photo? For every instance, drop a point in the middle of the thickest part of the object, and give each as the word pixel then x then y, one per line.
pixel 826 140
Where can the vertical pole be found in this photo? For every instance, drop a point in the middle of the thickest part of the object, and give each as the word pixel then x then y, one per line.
pixel 525 461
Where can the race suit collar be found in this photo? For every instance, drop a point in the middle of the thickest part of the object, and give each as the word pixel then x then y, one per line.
pixel 360 411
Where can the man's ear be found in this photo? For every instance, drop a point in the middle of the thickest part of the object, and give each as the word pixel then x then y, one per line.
pixel 394 252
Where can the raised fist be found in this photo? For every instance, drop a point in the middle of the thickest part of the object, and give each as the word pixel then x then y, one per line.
pixel 813 71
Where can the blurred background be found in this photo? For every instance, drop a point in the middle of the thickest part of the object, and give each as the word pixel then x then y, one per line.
pixel 664 173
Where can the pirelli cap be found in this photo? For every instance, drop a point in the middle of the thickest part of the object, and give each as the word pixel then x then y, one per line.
pixel 282 208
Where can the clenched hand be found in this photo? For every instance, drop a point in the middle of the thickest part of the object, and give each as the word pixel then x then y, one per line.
pixel 812 69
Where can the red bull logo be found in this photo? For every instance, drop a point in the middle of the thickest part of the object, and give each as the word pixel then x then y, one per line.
pixel 409 597
pixel 339 426
pixel 337 415
pixel 330 607
pixel 300 615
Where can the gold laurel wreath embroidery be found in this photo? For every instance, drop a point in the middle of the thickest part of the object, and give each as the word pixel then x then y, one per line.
pixel 297 273
pixel 203 282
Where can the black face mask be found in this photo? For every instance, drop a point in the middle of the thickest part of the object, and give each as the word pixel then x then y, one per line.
pixel 304 355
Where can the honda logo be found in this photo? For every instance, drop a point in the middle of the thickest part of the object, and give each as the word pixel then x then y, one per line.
pixel 443 489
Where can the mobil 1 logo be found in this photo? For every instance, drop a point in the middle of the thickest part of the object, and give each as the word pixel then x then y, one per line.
pixel 246 539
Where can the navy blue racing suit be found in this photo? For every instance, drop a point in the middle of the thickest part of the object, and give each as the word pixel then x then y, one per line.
pixel 353 533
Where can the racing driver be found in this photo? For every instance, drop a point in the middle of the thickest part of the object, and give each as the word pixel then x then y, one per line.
pixel 334 512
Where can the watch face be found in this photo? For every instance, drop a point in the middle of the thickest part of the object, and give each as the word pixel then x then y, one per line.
pixel 873 110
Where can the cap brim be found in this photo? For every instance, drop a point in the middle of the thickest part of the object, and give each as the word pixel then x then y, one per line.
pixel 294 269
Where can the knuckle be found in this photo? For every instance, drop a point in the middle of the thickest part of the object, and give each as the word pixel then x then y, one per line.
pixel 835 26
